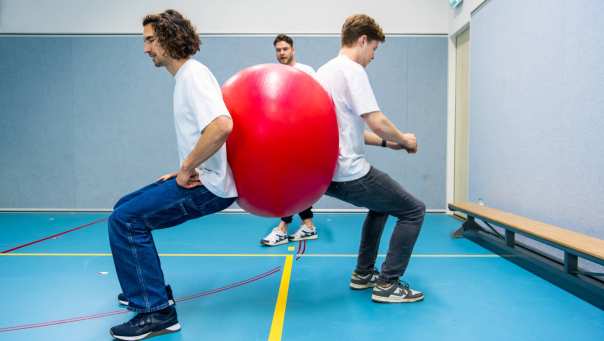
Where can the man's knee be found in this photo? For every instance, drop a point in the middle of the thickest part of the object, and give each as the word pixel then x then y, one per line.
pixel 115 221
pixel 421 208
pixel 120 202
pixel 119 220
pixel 413 211
pixel 419 211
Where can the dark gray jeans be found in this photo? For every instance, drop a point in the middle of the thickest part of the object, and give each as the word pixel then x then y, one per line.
pixel 383 196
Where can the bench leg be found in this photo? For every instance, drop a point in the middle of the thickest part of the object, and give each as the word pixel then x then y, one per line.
pixel 510 239
pixel 571 263
pixel 469 224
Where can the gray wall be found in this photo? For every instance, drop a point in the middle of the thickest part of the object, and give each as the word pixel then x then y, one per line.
pixel 219 16
pixel 86 119
pixel 537 110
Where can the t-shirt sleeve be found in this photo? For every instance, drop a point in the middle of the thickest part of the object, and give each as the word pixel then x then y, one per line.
pixel 205 99
pixel 362 98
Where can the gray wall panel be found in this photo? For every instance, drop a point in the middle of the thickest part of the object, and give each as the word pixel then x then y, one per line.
pixel 124 136
pixel 37 126
pixel 536 110
pixel 103 113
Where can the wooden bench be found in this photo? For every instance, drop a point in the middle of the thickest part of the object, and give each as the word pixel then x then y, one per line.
pixel 574 245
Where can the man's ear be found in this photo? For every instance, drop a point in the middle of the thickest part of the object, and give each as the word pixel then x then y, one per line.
pixel 362 40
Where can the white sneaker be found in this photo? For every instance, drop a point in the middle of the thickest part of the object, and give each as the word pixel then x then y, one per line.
pixel 304 233
pixel 276 237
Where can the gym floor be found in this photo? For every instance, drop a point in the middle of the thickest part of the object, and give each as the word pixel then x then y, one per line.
pixel 58 283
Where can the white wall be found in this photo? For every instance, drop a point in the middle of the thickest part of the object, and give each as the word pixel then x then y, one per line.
pixel 460 16
pixel 221 16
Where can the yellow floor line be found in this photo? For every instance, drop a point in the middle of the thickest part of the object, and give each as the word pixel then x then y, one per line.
pixel 279 315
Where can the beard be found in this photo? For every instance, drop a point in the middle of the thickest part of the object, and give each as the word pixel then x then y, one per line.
pixel 156 62
pixel 285 60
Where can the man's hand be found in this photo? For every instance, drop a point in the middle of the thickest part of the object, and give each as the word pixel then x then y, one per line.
pixel 166 177
pixel 188 179
pixel 410 144
pixel 394 145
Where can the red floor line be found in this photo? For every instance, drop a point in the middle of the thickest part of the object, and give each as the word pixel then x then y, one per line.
pixel 230 286
pixel 301 249
pixel 55 235
pixel 124 311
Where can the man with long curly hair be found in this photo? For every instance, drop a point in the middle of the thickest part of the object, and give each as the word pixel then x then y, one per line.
pixel 202 185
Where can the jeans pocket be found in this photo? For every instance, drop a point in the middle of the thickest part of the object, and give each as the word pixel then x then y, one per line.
pixel 172 215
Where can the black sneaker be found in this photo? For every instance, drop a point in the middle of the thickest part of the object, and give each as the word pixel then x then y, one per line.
pixel 398 292
pixel 361 282
pixel 145 325
pixel 123 300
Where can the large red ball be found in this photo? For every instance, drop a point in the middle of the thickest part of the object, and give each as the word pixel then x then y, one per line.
pixel 284 144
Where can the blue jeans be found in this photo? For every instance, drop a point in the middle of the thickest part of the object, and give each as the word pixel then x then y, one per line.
pixel 383 196
pixel 159 205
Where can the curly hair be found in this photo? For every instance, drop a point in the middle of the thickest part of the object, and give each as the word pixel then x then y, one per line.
pixel 358 25
pixel 174 33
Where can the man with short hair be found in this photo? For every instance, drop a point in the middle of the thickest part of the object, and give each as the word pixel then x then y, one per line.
pixel 286 54
pixel 355 180
pixel 203 185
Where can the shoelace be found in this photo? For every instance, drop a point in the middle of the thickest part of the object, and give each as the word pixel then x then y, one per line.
pixel 403 284
pixel 374 274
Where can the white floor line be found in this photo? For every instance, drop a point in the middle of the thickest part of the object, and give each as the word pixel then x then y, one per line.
pixel 444 255
pixel 333 255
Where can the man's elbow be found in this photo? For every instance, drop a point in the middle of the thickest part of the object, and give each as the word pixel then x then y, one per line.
pixel 375 121
pixel 377 126
pixel 224 125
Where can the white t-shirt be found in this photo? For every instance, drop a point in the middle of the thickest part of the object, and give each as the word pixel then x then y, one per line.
pixel 303 67
pixel 348 84
pixel 197 102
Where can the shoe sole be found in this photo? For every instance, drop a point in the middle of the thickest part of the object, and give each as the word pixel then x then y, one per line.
pixel 354 286
pixel 172 329
pixel 382 299
pixel 125 303
pixel 276 244
pixel 304 238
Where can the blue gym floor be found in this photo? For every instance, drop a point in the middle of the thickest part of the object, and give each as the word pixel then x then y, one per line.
pixel 65 288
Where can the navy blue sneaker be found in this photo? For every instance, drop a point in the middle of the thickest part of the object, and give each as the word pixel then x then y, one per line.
pixel 145 325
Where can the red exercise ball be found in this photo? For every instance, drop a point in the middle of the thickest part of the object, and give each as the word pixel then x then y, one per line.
pixel 284 144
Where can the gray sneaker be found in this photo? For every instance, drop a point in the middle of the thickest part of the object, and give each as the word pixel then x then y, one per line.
pixel 361 282
pixel 398 292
